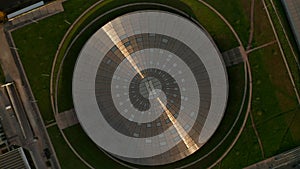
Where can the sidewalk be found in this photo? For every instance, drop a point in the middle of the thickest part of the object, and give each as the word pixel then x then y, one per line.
pixel 13 71
pixel 6 60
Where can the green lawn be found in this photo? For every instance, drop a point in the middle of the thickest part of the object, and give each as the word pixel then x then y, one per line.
pixel 37 44
pixel 65 79
pixel 37 62
pixel 274 109
pixel 236 72
pixel 295 70
pixel 261 36
pixel 213 24
pixel 238 15
pixel 273 96
pixel 236 88
pixel 210 21
pixel 76 135
pixel 245 152
pixel 88 150
pixel 65 155
pixel 2 76
pixel 274 106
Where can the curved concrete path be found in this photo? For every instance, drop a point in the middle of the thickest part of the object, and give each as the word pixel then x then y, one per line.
pixel 247 72
pixel 247 67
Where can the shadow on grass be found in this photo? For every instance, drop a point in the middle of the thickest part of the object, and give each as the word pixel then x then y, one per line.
pixel 77 136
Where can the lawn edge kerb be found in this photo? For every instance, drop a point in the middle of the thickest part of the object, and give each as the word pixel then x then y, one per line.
pixel 101 19
pixel 287 50
pixel 63 47
pixel 71 33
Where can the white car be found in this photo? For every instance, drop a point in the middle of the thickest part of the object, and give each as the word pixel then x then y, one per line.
pixel 8 107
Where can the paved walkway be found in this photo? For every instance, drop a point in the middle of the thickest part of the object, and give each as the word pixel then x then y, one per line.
pixel 233 56
pixel 249 46
pixel 53 91
pixel 8 120
pixel 6 60
pixel 261 46
pixel 39 13
pixel 13 71
pixel 66 119
pixel 282 52
pixel 247 72
pixel 251 25
pixel 248 81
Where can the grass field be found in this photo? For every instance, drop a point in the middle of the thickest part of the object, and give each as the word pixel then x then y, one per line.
pixel 69 62
pixel 2 76
pixel 275 102
pixel 274 109
pixel 274 106
pixel 224 41
pixel 214 25
pixel 65 155
pixel 76 135
pixel 89 151
pixel 261 36
pixel 37 44
pixel 245 152
pixel 64 88
pixel 295 69
pixel 237 13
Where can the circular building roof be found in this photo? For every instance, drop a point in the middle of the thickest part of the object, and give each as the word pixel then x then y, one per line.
pixel 150 87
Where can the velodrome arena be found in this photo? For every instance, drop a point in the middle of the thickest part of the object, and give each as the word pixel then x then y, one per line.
pixel 150 87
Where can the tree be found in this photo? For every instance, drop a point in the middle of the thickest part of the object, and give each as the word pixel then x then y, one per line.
pixel 2 16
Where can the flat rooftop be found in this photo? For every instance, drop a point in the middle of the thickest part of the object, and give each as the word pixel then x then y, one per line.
pixel 10 6
pixel 14 159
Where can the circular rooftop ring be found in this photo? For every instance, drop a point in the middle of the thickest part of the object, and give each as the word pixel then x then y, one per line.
pixel 150 87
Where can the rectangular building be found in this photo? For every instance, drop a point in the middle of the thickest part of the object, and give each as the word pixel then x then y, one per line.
pixel 15 159
pixel 292 8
